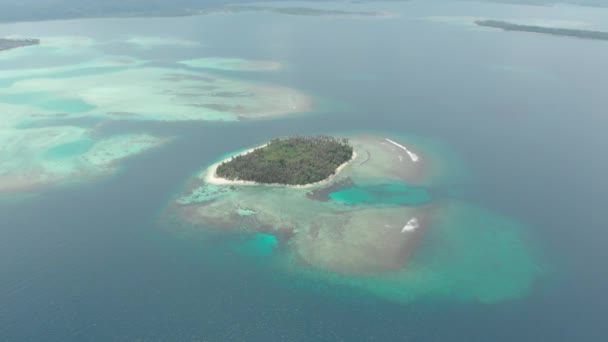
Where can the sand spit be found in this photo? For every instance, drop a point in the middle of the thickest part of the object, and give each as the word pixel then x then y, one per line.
pixel 413 156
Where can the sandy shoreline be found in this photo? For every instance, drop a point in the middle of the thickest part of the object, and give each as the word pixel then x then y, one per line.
pixel 210 175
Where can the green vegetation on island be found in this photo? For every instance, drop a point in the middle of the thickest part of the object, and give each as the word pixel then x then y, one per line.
pixel 289 161
pixel 507 26
pixel 7 44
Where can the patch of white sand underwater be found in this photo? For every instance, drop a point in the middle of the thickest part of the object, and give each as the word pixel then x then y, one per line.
pixel 111 87
pixel 153 42
pixel 232 64
pixel 26 165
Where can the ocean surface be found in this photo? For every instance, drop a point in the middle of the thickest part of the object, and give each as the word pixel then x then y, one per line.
pixel 524 113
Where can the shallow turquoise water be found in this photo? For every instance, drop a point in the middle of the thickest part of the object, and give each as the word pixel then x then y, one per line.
pixel 468 254
pixel 86 72
pixel 70 149
pixel 260 245
pixel 45 102
pixel 395 193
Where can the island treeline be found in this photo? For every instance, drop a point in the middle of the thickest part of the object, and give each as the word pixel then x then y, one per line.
pixel 7 44
pixel 507 26
pixel 289 161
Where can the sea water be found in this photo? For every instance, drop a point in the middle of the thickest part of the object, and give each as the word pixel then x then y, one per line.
pixel 397 193
pixel 92 262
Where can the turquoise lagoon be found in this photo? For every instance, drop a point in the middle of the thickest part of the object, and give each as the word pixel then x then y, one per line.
pixel 396 193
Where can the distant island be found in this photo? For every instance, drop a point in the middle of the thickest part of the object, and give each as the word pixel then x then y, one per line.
pixel 7 44
pixel 35 10
pixel 507 26
pixel 289 161
pixel 303 11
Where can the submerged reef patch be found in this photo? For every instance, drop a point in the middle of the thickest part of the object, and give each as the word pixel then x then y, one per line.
pixel 37 157
pixel 467 253
pixel 373 227
pixel 147 93
pixel 41 101
pixel 232 64
pixel 147 42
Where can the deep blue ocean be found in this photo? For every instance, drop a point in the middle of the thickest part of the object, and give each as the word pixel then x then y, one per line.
pixel 526 114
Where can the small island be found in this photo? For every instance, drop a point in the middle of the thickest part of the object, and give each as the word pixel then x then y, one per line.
pixel 556 31
pixel 289 161
pixel 380 224
pixel 7 44
pixel 299 11
pixel 320 195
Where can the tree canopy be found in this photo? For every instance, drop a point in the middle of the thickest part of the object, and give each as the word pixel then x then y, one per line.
pixel 290 161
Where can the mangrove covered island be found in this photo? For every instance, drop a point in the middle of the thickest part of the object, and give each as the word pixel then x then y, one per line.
pixel 556 31
pixel 289 161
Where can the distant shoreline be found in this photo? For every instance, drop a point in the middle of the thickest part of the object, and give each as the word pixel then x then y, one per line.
pixel 555 31
pixel 8 44
pixel 42 13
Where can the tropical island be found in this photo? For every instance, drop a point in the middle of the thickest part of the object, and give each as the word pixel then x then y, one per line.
pixel 7 44
pixel 289 161
pixel 556 31
pixel 378 224
pixel 320 195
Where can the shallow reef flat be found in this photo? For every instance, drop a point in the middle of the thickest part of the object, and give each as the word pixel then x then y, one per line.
pixel 147 42
pixel 467 253
pixel 97 65
pixel 232 64
pixel 167 94
pixel 125 87
pixel 40 101
pixel 374 226
pixel 35 158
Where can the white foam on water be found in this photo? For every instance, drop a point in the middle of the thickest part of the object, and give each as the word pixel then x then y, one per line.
pixel 413 156
pixel 411 225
